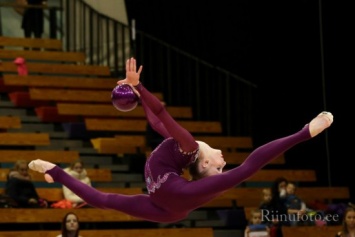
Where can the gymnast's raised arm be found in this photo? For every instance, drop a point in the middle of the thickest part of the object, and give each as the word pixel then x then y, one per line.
pixel 157 116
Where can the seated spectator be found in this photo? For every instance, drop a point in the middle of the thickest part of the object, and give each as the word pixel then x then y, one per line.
pixel 70 226
pixel 348 223
pixel 266 197
pixel 274 211
pixel 255 228
pixel 78 171
pixel 20 187
pixel 296 208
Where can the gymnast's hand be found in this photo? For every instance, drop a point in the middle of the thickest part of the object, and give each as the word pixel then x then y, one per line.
pixel 132 76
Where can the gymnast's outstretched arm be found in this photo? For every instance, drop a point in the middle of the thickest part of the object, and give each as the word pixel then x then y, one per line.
pixel 156 113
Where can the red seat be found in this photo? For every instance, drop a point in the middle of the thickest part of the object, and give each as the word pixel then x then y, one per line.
pixel 7 89
pixel 22 99
pixel 50 114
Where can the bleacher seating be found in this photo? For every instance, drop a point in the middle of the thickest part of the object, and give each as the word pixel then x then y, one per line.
pixel 65 90
pixel 55 156
pixel 149 232
pixel 140 125
pixel 96 175
pixel 9 122
pixel 319 231
pixel 55 56
pixel 57 69
pixel 53 194
pixel 41 43
pixel 24 139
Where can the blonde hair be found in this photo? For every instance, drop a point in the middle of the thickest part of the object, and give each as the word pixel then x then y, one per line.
pixel 19 163
pixel 194 169
pixel 76 162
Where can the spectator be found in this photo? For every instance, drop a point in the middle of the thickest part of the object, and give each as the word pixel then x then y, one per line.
pixel 296 208
pixel 78 171
pixel 255 228
pixel 275 211
pixel 348 224
pixel 70 225
pixel 32 19
pixel 266 198
pixel 269 213
pixel 20 188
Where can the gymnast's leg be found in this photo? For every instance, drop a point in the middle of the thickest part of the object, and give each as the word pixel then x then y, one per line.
pixel 204 189
pixel 139 206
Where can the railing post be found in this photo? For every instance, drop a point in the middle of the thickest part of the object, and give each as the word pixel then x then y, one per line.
pixel 52 23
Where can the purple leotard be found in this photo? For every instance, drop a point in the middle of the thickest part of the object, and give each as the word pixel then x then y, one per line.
pixel 171 197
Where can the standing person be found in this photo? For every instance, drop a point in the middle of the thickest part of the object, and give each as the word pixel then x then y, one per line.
pixel 171 197
pixel 78 171
pixel 348 225
pixel 32 19
pixel 70 225
pixel 19 187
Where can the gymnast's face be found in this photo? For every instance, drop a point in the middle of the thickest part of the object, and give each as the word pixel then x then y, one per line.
pixel 212 161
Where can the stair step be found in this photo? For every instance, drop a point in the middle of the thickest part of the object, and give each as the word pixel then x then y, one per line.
pixel 13 112
pixel 33 127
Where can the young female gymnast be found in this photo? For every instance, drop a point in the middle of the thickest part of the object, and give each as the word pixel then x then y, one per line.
pixel 171 197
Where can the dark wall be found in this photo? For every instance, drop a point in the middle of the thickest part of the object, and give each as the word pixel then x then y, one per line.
pixel 295 52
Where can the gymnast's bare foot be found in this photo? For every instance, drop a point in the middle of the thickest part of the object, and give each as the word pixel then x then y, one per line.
pixel 42 166
pixel 320 123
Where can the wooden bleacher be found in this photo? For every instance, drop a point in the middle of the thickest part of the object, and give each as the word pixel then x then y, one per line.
pixel 269 175
pixel 107 110
pixel 140 125
pixel 51 215
pixel 74 91
pixel 227 143
pixel 54 156
pixel 59 82
pixel 56 68
pixel 318 231
pixel 98 96
pixel 24 139
pixel 120 144
pixel 7 122
pixel 54 56
pixel 96 175
pixel 113 145
pixel 43 43
pixel 238 157
pixel 250 197
pixel 54 194
pixel 142 232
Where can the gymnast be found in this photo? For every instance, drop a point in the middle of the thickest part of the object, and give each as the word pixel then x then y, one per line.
pixel 170 196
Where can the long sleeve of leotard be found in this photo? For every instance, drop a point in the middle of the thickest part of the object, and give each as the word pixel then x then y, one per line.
pixel 162 122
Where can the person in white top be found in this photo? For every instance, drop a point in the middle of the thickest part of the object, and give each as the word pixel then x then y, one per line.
pixel 77 171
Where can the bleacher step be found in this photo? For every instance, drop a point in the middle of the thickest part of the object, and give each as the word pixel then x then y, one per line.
pixel 119 177
pixel 228 233
pixel 13 112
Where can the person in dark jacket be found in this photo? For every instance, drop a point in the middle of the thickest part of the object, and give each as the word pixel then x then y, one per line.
pixel 20 187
